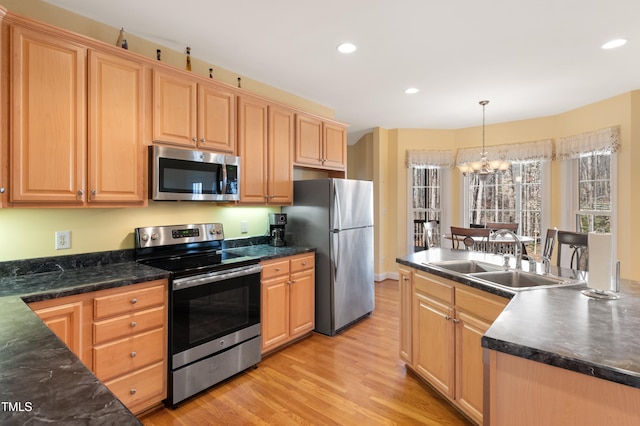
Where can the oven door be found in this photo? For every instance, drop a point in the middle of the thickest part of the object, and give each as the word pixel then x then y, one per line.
pixel 213 312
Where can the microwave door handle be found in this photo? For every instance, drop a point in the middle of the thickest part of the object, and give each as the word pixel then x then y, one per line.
pixel 224 179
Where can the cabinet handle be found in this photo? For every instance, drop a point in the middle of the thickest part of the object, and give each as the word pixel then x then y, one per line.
pixel 405 278
pixel 304 263
pixel 94 192
pixel 80 192
pixel 277 269
pixel 447 317
pixel 2 190
pixel 195 139
pixel 133 354
pixel 133 323
pixel 134 301
pixel 293 281
pixel 456 320
pixel 203 140
pixel 133 391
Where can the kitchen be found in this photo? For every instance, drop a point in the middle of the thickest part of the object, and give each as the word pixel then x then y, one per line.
pixel 111 229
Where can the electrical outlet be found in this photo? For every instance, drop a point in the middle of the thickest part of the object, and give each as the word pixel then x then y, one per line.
pixel 244 227
pixel 63 240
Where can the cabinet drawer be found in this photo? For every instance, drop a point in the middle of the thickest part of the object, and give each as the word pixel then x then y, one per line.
pixel 438 289
pixel 140 386
pixel 127 325
pixel 300 263
pixel 125 355
pixel 275 268
pixel 487 306
pixel 123 302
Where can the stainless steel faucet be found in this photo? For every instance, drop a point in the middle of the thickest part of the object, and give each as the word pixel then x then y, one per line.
pixel 518 245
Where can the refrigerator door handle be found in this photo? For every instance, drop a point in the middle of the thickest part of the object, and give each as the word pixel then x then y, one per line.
pixel 337 222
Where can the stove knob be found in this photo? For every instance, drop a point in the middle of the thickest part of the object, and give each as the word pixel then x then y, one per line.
pixel 145 237
pixel 154 236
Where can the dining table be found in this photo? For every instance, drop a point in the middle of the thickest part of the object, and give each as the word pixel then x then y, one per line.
pixel 494 242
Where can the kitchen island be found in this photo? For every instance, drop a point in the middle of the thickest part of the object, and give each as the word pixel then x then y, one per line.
pixel 41 380
pixel 558 328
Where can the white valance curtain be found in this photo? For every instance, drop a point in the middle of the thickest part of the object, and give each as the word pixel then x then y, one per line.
pixel 597 142
pixel 426 158
pixel 527 151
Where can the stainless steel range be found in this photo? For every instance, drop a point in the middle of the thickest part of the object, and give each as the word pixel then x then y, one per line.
pixel 214 305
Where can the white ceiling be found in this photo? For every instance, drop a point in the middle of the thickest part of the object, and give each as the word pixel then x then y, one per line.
pixel 529 58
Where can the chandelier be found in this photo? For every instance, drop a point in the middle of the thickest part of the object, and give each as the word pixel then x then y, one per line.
pixel 484 168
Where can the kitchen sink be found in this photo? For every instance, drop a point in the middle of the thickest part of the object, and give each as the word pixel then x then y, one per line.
pixel 520 279
pixel 466 266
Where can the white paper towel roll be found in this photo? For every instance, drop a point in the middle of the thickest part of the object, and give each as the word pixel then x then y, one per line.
pixel 600 261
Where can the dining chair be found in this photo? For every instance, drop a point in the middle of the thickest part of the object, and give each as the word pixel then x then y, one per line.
pixel 430 234
pixel 499 225
pixel 466 236
pixel 578 242
pixel 549 242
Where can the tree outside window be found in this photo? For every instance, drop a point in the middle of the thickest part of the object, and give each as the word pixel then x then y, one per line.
pixel 426 202
pixel 594 193
pixel 513 196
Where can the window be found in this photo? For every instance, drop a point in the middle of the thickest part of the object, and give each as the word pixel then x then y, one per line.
pixel 515 196
pixel 428 194
pixel 594 197
pixel 426 190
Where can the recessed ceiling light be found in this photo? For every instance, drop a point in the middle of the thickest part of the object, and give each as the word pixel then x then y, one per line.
pixel 614 43
pixel 346 48
pixel 411 91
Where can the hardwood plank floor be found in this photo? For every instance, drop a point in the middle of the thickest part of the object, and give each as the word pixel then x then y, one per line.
pixel 354 378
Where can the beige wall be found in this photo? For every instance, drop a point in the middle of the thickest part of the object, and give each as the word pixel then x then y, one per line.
pixel 622 110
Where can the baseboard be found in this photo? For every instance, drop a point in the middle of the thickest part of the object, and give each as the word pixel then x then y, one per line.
pixel 386 276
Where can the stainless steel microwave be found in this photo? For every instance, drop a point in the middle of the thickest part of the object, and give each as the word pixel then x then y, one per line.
pixel 187 175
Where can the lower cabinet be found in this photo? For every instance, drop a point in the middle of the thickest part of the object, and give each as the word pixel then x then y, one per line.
pixel 442 324
pixel 120 334
pixel 287 299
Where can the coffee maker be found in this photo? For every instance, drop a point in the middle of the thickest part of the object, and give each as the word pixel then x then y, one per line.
pixel 277 221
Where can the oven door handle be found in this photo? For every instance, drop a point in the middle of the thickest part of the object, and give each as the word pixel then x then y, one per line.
pixel 187 282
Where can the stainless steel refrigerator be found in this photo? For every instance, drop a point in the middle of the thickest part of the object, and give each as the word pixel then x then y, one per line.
pixel 336 217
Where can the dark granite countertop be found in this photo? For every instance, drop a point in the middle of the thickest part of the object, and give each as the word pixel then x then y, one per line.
pixel 267 252
pixel 559 326
pixel 41 380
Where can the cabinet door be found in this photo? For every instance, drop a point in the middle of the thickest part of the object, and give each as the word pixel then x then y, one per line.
pixel 434 344
pixel 274 319
pixel 308 141
pixel 469 367
pixel 174 108
pixel 66 322
pixel 252 144
pixel 335 146
pixel 302 303
pixel 48 105
pixel 406 295
pixel 116 149
pixel 281 135
pixel 216 119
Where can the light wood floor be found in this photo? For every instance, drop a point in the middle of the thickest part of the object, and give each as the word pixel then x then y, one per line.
pixel 355 378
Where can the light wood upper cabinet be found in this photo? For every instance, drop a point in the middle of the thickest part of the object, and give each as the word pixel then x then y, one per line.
pixel 280 155
pixel 116 114
pixel 216 118
pixel 48 132
pixel 53 161
pixel 265 141
pixel 335 145
pixel 192 114
pixel 320 143
pixel 174 108
pixel 252 147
